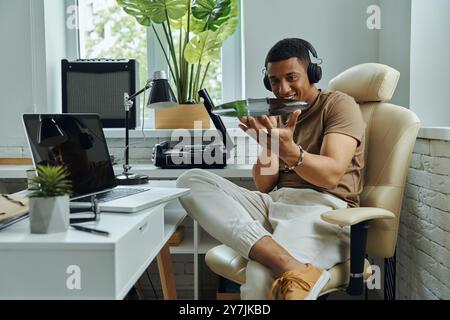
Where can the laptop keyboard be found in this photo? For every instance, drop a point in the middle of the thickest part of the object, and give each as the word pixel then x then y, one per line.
pixel 113 194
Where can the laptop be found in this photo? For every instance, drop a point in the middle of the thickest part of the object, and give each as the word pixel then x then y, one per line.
pixel 77 142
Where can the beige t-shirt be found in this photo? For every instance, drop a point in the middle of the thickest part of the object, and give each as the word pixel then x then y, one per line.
pixel 332 112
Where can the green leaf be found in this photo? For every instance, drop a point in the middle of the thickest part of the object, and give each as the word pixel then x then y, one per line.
pixel 213 13
pixel 177 24
pixel 175 9
pixel 228 29
pixel 197 25
pixel 137 9
pixel 203 48
pixel 148 11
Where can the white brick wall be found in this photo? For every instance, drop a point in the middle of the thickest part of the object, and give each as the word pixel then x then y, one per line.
pixel 423 252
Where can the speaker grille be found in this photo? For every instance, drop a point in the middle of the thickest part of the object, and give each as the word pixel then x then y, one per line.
pixel 99 87
pixel 101 93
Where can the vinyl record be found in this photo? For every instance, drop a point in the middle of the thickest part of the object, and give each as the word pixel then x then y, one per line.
pixel 259 107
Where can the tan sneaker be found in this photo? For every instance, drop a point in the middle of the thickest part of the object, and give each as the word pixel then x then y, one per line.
pixel 303 284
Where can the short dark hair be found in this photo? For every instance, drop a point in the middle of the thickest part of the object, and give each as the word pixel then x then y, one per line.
pixel 288 48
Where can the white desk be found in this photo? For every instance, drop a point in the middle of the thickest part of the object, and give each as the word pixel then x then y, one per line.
pixel 200 243
pixel 47 266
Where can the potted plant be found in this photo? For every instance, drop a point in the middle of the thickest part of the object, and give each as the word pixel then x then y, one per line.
pixel 49 200
pixel 191 34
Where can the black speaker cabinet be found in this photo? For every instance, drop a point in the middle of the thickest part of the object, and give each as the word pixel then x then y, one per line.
pixel 98 86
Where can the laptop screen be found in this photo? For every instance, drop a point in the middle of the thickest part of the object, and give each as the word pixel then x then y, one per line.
pixel 75 141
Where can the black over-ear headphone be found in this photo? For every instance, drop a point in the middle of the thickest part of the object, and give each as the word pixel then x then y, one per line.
pixel 314 70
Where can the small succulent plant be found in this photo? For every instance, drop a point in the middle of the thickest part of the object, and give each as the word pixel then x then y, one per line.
pixel 50 181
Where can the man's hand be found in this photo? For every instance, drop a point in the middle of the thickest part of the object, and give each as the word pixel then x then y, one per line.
pixel 264 129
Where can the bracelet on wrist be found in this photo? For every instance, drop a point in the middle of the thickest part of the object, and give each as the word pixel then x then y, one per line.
pixel 299 162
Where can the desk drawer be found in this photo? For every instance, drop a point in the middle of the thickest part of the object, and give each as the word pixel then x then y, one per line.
pixel 133 251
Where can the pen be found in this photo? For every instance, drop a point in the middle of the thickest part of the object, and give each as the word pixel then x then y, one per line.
pixel 90 230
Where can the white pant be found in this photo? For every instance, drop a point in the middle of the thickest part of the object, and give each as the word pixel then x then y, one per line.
pixel 239 218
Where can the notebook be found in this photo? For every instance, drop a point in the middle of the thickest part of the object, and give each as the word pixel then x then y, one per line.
pixel 77 142
pixel 13 208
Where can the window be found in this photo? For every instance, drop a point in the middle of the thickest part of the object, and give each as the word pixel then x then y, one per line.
pixel 106 31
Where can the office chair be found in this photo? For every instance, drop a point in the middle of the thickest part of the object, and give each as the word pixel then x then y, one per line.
pixel 390 137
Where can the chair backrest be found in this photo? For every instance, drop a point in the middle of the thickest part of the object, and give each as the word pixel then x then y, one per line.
pixel 391 133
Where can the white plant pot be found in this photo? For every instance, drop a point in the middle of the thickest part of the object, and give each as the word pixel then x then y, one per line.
pixel 49 215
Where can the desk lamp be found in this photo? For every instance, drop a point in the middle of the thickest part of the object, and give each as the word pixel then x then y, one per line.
pixel 161 96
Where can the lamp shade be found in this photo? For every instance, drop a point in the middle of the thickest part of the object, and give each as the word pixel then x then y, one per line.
pixel 50 134
pixel 161 94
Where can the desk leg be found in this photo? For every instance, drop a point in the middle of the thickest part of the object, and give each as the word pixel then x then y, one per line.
pixel 166 275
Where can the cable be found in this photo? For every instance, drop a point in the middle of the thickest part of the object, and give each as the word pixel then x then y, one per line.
pixel 151 283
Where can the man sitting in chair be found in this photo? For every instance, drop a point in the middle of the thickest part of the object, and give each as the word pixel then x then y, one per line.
pixel 319 162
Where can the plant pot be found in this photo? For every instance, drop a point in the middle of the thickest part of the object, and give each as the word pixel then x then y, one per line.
pixel 182 117
pixel 49 215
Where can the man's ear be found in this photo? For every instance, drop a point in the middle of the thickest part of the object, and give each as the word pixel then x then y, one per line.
pixel 267 81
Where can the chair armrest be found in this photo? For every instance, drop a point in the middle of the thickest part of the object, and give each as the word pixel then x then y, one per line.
pixel 358 219
pixel 352 216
